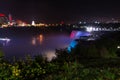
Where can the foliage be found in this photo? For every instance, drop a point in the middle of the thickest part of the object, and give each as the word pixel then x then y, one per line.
pixel 102 48
pixel 79 69
pixel 92 61
pixel 1 54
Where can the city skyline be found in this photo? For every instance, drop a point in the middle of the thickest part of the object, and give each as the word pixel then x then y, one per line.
pixel 56 11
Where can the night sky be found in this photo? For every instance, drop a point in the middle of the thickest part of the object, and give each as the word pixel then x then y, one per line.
pixel 55 11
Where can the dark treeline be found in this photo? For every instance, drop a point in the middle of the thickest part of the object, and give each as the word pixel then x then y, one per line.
pixel 19 31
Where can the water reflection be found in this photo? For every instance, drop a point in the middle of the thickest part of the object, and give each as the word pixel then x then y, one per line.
pixel 40 38
pixel 4 41
pixel 37 40
pixel 36 45
pixel 33 41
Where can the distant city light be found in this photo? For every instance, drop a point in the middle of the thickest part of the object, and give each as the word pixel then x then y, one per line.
pixel 89 29
pixel 80 22
pixel 97 29
pixel 2 14
pixel 84 22
pixel 96 22
pixel 33 23
pixel 23 24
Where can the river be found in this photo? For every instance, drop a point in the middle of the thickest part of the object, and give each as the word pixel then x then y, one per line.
pixel 22 45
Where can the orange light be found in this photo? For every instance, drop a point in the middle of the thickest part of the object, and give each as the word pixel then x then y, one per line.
pixel 41 38
pixel 33 41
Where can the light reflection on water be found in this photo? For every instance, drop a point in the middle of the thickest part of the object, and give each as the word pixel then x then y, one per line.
pixel 37 40
pixel 4 41
pixel 36 45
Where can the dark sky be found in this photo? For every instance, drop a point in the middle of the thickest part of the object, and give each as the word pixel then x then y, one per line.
pixel 55 11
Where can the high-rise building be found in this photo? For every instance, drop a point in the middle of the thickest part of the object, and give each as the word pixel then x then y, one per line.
pixel 10 17
pixel 3 20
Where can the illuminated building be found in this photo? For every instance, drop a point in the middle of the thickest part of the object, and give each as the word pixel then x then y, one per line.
pixel 33 23
pixel 10 19
pixel 3 20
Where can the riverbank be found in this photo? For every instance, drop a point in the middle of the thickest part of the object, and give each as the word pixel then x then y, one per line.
pixel 19 31
pixel 61 68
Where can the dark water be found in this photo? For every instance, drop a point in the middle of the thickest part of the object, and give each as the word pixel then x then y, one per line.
pixel 21 46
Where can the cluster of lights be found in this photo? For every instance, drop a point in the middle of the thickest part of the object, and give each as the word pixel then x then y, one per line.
pixel 96 22
pixel 90 29
pixel 82 22
pixel 43 24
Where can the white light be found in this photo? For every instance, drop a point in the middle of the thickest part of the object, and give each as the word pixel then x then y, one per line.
pixel 93 29
pixel 118 47
pixel 80 22
pixel 84 22
pixel 33 23
pixel 96 29
pixel 89 29
pixel 5 39
pixel 23 24
pixel 95 22
pixel 98 22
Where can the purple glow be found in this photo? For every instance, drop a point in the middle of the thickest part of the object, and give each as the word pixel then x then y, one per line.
pixel 78 34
